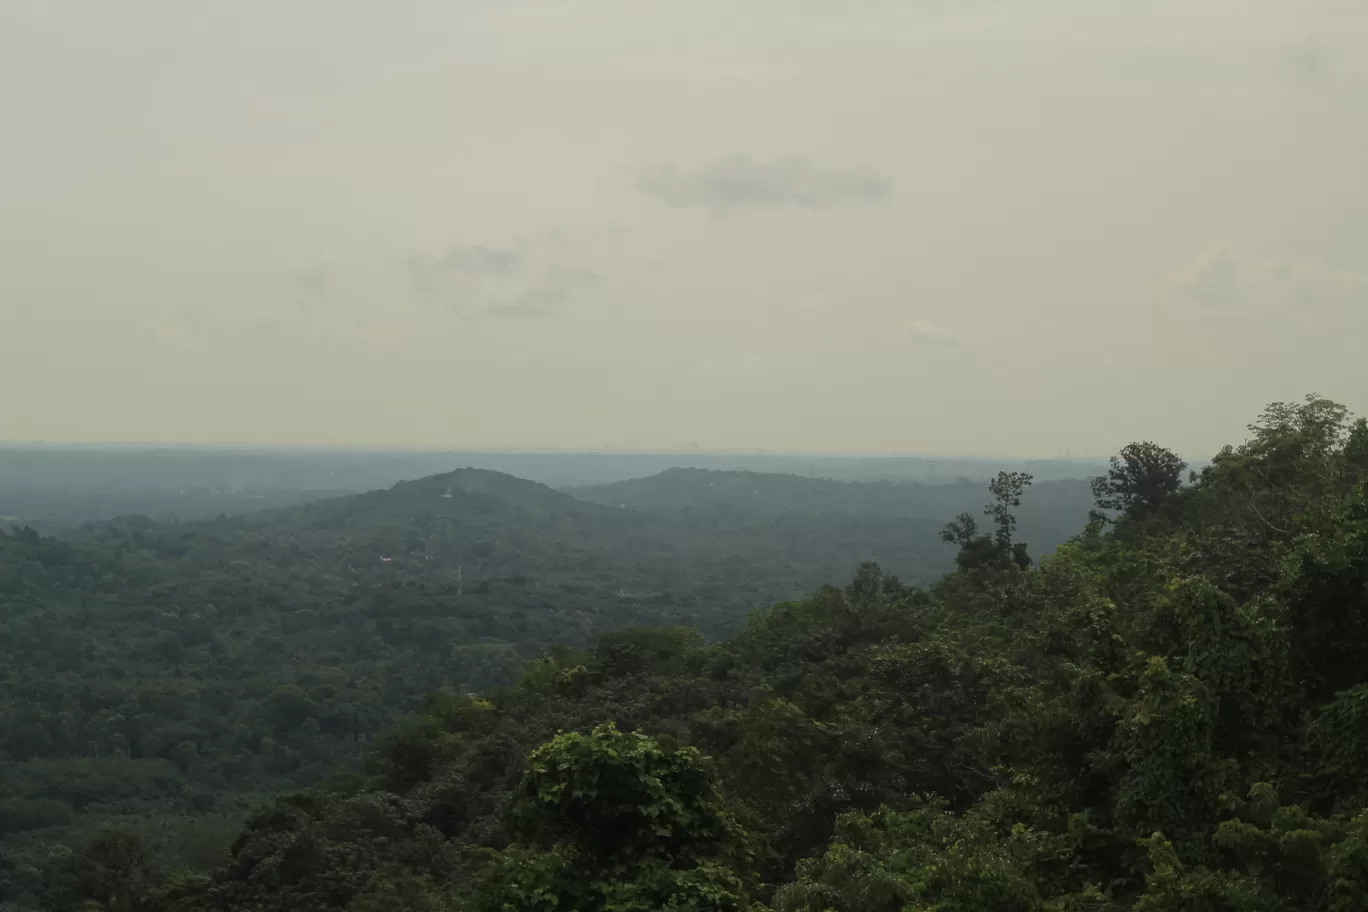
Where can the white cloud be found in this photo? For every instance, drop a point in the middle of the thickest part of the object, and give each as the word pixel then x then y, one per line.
pixel 1229 282
pixel 1315 65
pixel 498 281
pixel 927 333
pixel 736 182
pixel 313 285
pixel 1234 327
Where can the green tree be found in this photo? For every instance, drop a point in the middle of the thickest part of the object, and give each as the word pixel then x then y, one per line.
pixel 1325 586
pixel 614 822
pixel 288 707
pixel 1140 478
pixel 923 859
pixel 112 868
pixel 978 550
pixel 1007 489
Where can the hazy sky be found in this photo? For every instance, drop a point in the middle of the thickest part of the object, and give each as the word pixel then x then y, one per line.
pixel 946 227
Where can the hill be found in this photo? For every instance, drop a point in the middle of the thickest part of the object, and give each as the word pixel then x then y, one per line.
pixel 526 563
pixel 1168 713
pixel 829 526
pixel 184 669
pixel 1054 508
pixel 57 488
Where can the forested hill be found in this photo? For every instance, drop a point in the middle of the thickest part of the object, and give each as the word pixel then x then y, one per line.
pixel 170 673
pixel 55 489
pixel 831 526
pixel 536 565
pixel 1048 517
pixel 1169 714
pixel 493 524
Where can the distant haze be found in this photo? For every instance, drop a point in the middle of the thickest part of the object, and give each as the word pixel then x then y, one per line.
pixel 980 226
pixel 57 488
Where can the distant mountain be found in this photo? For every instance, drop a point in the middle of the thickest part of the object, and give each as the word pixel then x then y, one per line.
pixel 528 564
pixel 166 667
pixel 899 522
pixel 517 561
pixel 504 559
pixel 51 488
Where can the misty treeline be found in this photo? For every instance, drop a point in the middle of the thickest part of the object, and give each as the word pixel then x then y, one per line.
pixel 1168 712
pixel 56 489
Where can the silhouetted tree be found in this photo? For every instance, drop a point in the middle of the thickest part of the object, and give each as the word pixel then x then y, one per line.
pixel 1141 476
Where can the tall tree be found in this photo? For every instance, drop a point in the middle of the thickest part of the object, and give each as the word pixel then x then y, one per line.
pixel 978 549
pixel 1141 476
pixel 1007 489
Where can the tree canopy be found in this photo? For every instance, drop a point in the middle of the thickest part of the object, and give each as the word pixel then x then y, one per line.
pixel 1168 712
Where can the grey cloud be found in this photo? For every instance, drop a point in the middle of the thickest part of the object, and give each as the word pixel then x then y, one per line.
pixel 462 267
pixel 501 282
pixel 1310 60
pixel 926 334
pixel 552 290
pixel 1229 284
pixel 1313 65
pixel 462 261
pixel 315 284
pixel 738 182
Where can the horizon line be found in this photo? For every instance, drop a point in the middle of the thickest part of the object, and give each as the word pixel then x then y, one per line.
pixel 411 450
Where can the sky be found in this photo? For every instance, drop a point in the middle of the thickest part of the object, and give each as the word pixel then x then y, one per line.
pixel 962 227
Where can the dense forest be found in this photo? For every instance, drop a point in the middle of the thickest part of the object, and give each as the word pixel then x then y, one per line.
pixel 1168 711
pixel 169 675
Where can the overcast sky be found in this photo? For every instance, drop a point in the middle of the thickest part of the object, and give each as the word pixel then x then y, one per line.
pixel 938 226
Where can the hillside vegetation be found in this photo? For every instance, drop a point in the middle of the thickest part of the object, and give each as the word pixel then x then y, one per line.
pixel 1170 712
pixel 830 526
pixel 168 675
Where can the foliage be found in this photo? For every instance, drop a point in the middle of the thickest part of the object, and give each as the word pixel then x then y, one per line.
pixel 999 549
pixel 1167 713
pixel 923 859
pixel 187 670
pixel 1141 477
pixel 613 822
